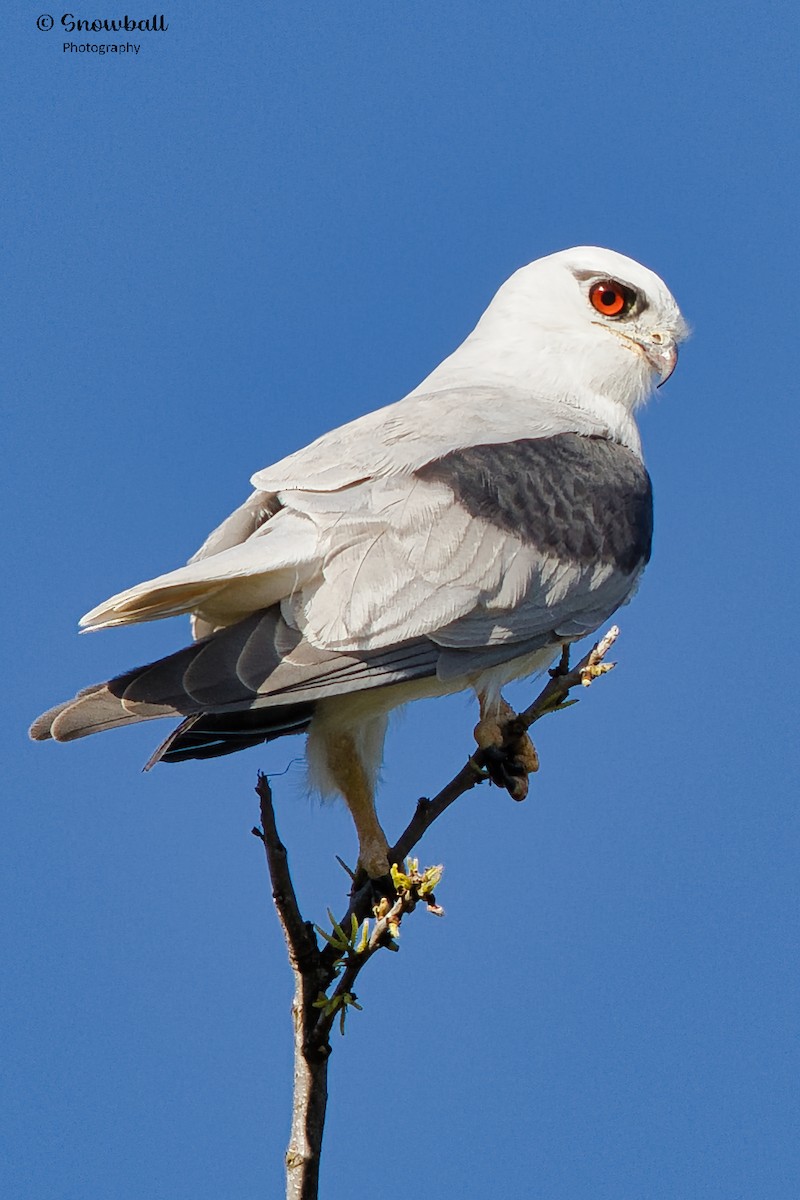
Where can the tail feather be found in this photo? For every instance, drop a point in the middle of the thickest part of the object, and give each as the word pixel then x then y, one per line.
pixel 92 711
pixel 248 683
pixel 211 735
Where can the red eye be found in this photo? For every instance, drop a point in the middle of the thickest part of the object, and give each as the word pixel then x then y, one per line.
pixel 611 298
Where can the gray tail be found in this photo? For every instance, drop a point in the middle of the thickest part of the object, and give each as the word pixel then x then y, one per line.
pixel 252 682
pixel 213 734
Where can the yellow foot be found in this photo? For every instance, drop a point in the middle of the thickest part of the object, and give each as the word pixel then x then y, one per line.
pixel 510 759
pixel 373 858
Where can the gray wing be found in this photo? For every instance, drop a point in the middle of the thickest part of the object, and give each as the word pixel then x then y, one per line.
pixel 360 533
pixel 243 522
pixel 582 510
pixel 240 525
pixel 509 545
pixel 484 556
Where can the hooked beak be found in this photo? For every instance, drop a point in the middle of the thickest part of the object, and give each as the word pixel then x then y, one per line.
pixel 661 352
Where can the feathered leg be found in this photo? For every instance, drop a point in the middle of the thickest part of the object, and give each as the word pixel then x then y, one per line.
pixel 352 780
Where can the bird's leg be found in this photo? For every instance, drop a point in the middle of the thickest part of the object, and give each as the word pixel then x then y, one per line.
pixel 352 781
pixel 510 756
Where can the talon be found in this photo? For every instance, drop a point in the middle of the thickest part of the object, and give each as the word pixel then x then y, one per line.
pixel 509 759
pixel 507 772
pixel 502 765
pixel 525 754
pixel 480 771
pixel 379 890
pixel 373 861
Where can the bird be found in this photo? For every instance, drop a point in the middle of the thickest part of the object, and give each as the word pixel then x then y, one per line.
pixel 456 539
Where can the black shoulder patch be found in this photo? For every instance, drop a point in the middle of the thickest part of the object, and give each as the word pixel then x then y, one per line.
pixel 582 498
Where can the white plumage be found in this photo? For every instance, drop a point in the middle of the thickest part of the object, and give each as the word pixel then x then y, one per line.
pixel 456 538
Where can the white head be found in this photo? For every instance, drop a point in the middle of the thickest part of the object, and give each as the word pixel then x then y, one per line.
pixel 581 324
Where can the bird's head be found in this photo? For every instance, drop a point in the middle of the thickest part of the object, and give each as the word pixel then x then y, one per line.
pixel 584 325
pixel 586 320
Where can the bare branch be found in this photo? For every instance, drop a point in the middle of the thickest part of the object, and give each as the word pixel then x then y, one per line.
pixel 563 680
pixel 352 943
pixel 300 939
pixel 428 811
pixel 310 1060
pixel 552 696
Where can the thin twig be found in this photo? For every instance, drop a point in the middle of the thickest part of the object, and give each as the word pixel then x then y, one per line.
pixel 412 888
pixel 300 939
pixel 313 1011
pixel 310 1055
pixel 562 680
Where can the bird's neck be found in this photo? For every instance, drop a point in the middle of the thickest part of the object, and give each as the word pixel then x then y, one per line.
pixel 589 399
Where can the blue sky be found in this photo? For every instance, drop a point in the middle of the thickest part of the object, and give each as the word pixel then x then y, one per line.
pixel 272 218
